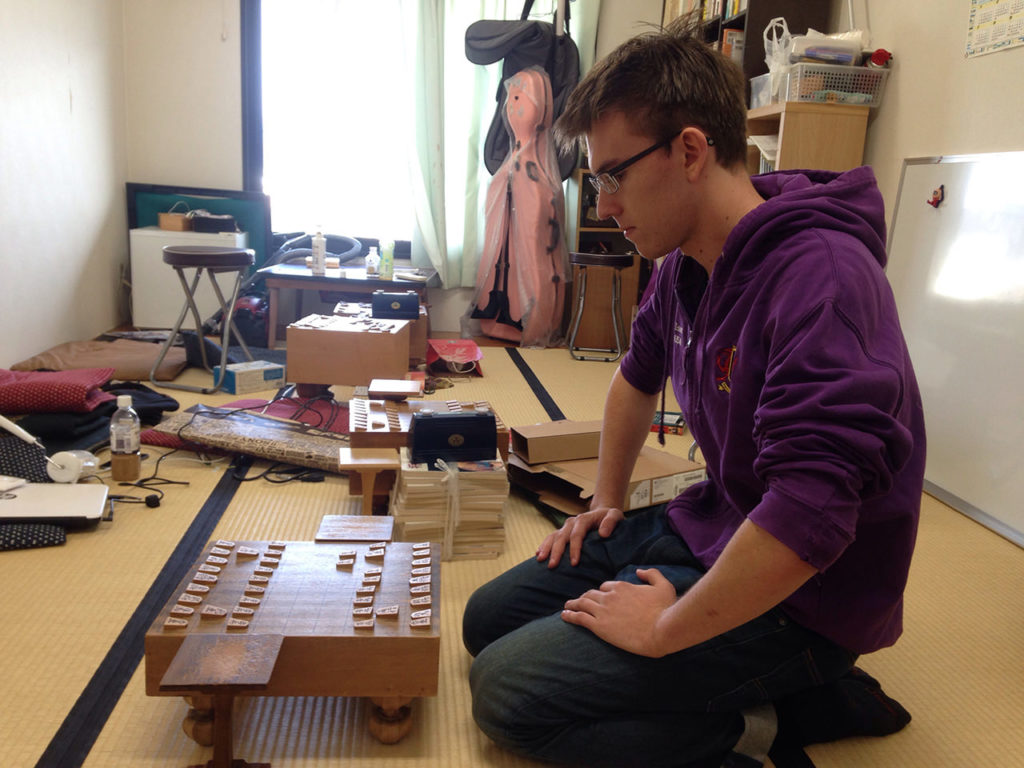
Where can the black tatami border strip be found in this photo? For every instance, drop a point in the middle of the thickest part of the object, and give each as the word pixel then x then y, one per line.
pixel 76 736
pixel 553 411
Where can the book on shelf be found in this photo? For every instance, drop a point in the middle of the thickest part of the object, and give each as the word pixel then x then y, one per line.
pixel 732 44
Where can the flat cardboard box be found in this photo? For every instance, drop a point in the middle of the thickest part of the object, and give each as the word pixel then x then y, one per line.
pixel 395 389
pixel 561 440
pixel 330 349
pixel 568 486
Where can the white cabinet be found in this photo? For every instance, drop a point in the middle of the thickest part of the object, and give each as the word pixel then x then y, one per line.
pixel 157 297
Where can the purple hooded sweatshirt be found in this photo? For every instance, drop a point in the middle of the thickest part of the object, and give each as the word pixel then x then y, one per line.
pixel 792 371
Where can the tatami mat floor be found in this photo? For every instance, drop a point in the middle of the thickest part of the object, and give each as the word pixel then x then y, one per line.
pixel 957 668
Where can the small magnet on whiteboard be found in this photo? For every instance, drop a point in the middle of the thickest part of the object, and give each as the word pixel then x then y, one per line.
pixel 938 196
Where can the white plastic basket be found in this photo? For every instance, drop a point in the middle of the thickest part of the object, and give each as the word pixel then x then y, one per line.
pixel 834 84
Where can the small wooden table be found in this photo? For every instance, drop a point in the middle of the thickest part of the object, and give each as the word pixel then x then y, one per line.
pixel 350 283
pixel 338 618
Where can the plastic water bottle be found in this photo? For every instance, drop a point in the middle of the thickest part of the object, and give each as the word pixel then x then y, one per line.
pixel 319 255
pixel 387 260
pixel 125 459
pixel 373 262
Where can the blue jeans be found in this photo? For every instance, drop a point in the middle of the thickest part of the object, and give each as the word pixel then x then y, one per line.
pixel 556 692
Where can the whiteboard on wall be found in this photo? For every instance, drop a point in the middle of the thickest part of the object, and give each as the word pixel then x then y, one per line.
pixel 957 270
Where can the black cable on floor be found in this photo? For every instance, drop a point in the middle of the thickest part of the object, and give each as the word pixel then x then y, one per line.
pixel 72 742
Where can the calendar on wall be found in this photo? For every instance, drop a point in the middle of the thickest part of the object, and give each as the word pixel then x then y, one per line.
pixel 994 25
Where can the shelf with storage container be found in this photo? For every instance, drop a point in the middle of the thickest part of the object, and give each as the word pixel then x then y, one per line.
pixel 724 19
pixel 827 137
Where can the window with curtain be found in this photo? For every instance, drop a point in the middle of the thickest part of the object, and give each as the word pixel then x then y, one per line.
pixel 373 119
pixel 338 116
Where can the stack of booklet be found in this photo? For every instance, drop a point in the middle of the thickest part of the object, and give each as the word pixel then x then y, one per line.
pixel 460 505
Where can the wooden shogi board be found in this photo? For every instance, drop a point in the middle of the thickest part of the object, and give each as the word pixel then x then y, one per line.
pixel 308 593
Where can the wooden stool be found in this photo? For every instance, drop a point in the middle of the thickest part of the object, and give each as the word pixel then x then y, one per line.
pixel 212 260
pixel 617 263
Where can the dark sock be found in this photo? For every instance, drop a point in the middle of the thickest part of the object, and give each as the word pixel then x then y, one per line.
pixel 853 705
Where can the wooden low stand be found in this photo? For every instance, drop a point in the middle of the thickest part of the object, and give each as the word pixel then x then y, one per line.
pixel 223 666
pixel 367 463
pixel 330 618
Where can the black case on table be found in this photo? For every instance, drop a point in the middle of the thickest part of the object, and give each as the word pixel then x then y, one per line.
pixel 459 436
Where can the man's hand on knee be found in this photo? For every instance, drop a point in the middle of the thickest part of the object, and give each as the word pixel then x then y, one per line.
pixel 572 532
pixel 625 614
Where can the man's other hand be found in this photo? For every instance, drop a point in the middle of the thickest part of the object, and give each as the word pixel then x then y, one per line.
pixel 572 532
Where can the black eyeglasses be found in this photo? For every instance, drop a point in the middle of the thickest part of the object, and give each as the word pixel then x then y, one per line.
pixel 606 183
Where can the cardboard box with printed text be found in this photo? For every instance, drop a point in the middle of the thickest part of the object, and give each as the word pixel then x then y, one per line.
pixel 568 486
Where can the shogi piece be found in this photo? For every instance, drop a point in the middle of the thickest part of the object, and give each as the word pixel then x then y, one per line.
pixel 419 329
pixel 332 349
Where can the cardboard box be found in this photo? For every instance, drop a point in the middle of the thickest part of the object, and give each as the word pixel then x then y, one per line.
pixel 556 441
pixel 419 329
pixel 174 222
pixel 568 486
pixel 331 349
pixel 253 376
pixel 675 424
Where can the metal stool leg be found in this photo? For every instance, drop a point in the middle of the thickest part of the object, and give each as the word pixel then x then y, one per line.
pixel 616 311
pixel 173 335
pixel 227 326
pixel 580 300
pixel 612 354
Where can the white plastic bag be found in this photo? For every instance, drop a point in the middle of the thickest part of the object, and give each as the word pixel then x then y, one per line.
pixel 777 41
pixel 843 48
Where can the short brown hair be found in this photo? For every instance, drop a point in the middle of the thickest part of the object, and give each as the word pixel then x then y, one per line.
pixel 664 80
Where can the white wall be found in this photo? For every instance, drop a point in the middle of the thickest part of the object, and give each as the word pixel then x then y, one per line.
pixel 936 102
pixel 183 90
pixel 620 21
pixel 62 220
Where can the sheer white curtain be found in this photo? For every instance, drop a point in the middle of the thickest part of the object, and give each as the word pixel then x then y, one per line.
pixel 374 119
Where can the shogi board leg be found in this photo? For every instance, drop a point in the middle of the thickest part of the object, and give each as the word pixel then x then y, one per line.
pixel 391 718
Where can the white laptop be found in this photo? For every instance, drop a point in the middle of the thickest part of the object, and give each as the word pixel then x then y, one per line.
pixel 74 505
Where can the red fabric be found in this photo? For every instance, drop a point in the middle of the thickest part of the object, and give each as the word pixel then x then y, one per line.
pixel 316 413
pixel 75 391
